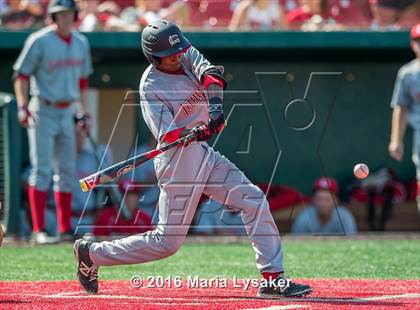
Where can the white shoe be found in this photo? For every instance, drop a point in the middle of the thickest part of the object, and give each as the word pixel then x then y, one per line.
pixel 41 238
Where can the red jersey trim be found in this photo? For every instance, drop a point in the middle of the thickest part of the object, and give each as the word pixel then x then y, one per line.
pixel 66 40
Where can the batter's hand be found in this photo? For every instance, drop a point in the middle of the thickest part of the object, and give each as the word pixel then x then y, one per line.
pixel 83 120
pixel 396 150
pixel 201 133
pixel 24 115
pixel 216 116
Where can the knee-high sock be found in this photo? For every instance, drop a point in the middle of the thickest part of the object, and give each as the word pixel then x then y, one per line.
pixel 37 203
pixel 63 202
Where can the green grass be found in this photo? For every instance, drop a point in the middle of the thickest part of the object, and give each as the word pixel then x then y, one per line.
pixel 388 259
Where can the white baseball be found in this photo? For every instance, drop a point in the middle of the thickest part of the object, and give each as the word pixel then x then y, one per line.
pixel 361 171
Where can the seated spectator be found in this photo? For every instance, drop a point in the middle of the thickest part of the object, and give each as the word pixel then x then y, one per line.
pixel 86 204
pixel 212 218
pixel 145 176
pixel 351 13
pixel 21 14
pixel 257 15
pixel 88 20
pixel 112 222
pixel 312 15
pixel 394 14
pixel 96 16
pixel 325 216
pixel 381 189
pixel 208 15
pixel 144 12
pixel 282 197
pixel 289 5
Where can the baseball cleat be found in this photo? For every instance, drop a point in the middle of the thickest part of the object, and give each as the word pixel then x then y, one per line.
pixel 282 287
pixel 87 272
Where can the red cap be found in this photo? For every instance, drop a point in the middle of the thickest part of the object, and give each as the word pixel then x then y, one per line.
pixel 326 183
pixel 129 186
pixel 415 32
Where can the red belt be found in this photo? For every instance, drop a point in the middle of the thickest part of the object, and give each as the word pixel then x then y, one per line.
pixel 58 104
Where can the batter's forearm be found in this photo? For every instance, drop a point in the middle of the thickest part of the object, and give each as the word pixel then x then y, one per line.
pixel 399 124
pixel 84 101
pixel 214 90
pixel 21 87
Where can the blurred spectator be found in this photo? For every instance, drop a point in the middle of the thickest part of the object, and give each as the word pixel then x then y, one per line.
pixel 96 16
pixel 351 13
pixel 325 216
pixel 258 15
pixel 379 189
pixel 211 14
pixel 282 197
pixel 289 5
pixel 87 15
pixel 20 14
pixel 111 222
pixel 394 14
pixel 212 218
pixel 144 12
pixel 312 15
pixel 145 176
pixel 406 107
pixel 88 160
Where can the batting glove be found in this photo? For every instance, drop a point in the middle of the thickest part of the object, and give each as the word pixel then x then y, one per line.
pixel 201 133
pixel 83 120
pixel 24 115
pixel 216 116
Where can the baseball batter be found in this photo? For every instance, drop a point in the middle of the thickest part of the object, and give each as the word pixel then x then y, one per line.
pixel 55 64
pixel 181 92
pixel 406 107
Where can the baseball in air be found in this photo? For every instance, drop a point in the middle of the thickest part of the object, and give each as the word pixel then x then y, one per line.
pixel 361 171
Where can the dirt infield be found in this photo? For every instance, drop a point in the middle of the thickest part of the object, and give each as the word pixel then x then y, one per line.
pixel 328 294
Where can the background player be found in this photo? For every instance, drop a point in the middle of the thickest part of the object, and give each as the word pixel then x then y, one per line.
pixel 406 105
pixel 181 92
pixel 55 62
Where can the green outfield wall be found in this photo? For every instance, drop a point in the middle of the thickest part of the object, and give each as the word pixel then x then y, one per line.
pixel 299 105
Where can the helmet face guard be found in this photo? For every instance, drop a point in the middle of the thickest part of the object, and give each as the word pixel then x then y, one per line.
pixel 162 39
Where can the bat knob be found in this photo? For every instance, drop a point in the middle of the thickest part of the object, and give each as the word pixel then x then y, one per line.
pixel 84 186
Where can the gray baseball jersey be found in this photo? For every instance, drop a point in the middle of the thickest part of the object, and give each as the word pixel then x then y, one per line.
pixel 175 101
pixel 168 102
pixel 407 93
pixel 55 68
